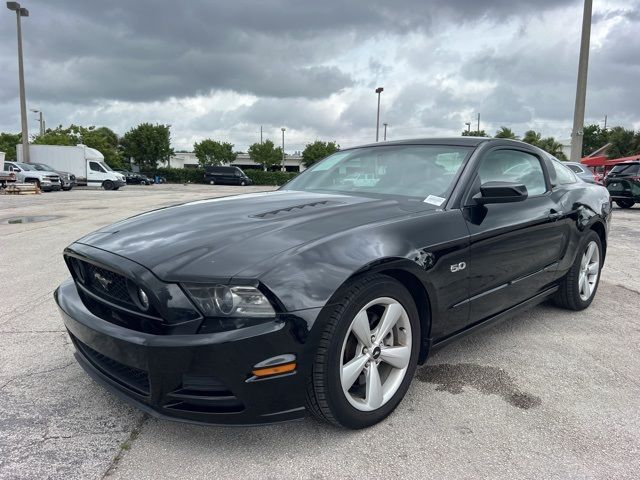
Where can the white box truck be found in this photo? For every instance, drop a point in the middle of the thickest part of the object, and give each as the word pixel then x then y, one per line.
pixel 87 164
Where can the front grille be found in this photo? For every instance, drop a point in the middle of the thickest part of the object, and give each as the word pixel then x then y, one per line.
pixel 106 283
pixel 132 378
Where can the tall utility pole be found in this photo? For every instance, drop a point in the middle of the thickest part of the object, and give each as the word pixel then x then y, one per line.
pixel 478 130
pixel 468 124
pixel 283 167
pixel 260 134
pixel 605 122
pixel 581 88
pixel 41 120
pixel 21 12
pixel 379 90
pixel 385 131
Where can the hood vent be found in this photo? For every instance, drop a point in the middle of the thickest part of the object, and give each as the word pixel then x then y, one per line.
pixel 294 209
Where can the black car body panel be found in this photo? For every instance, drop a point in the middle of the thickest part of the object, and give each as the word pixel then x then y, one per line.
pixel 466 264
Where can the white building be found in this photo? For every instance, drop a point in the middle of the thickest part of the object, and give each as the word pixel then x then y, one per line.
pixel 293 163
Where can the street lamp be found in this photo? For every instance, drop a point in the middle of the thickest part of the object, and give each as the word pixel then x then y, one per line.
pixel 40 119
pixel 468 124
pixel 21 12
pixel 385 131
pixel 283 167
pixel 379 90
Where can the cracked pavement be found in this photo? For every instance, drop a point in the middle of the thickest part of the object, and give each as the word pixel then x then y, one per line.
pixel 548 394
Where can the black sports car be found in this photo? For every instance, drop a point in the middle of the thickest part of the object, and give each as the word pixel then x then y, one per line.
pixel 325 295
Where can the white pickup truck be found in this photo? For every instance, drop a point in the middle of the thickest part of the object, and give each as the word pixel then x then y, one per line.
pixel 25 173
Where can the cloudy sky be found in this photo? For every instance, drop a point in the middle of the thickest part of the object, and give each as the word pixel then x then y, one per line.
pixel 215 69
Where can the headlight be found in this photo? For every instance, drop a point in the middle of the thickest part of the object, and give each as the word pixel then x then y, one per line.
pixel 222 300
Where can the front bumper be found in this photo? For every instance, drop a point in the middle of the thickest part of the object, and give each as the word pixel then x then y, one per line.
pixel 202 378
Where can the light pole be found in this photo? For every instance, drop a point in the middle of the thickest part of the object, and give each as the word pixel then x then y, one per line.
pixel 41 120
pixel 379 90
pixel 283 167
pixel 468 124
pixel 21 12
pixel 581 88
pixel 478 124
pixel 385 131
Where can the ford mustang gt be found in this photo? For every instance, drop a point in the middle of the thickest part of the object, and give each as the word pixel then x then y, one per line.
pixel 325 295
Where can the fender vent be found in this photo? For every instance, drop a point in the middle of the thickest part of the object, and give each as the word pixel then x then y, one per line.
pixel 294 209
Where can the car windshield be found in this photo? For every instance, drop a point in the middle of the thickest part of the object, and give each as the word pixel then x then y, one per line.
pixel 623 168
pixel 26 166
pixel 42 167
pixel 414 171
pixel 106 167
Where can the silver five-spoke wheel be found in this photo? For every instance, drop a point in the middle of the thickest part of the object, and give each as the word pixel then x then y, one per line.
pixel 375 354
pixel 589 271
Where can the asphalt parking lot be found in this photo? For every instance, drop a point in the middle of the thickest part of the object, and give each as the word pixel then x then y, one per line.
pixel 548 394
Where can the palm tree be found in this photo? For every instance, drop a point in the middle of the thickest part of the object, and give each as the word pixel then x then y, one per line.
pixel 506 132
pixel 532 137
pixel 550 145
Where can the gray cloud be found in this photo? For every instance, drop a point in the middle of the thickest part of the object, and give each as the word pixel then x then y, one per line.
pixel 312 65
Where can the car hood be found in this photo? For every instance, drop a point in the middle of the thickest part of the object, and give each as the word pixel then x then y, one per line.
pixel 217 238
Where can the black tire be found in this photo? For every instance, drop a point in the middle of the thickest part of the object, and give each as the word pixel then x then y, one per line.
pixel 108 185
pixel 243 183
pixel 625 203
pixel 67 189
pixel 325 397
pixel 568 296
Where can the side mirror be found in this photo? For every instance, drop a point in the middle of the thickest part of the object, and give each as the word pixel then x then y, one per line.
pixel 501 192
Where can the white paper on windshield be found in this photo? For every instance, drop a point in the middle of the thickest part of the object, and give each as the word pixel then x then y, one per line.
pixel 434 200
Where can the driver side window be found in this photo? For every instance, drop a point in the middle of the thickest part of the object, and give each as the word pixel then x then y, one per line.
pixel 513 166
pixel 95 166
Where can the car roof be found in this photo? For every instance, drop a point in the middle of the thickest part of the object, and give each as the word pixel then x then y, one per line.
pixel 453 141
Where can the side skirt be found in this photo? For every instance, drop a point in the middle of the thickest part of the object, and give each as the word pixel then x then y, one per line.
pixel 540 297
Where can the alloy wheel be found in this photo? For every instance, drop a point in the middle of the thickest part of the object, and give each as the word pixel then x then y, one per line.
pixel 589 271
pixel 375 354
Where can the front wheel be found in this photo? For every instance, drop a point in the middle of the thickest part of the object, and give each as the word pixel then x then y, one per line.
pixel 367 354
pixel 580 284
pixel 625 203
pixel 108 185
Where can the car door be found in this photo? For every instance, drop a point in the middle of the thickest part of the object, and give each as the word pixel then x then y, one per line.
pixel 95 173
pixel 513 246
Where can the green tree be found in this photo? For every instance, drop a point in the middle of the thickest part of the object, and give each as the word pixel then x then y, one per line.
pixel 147 144
pixel 102 139
pixel 266 154
pixel 593 138
pixel 318 150
pixel 474 133
pixel 550 145
pixel 8 142
pixel 532 137
pixel 624 142
pixel 506 132
pixel 212 152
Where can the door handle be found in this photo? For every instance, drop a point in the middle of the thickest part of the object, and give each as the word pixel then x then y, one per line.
pixel 555 214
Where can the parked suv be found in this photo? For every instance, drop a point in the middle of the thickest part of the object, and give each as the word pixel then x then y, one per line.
pixel 67 180
pixel 226 175
pixel 623 183
pixel 27 173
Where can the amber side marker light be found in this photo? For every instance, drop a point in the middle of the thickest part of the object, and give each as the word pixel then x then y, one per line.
pixel 276 370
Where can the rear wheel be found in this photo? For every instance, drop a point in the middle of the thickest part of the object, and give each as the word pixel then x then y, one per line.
pixel 580 284
pixel 212 182
pixel 625 203
pixel 108 185
pixel 243 183
pixel 367 354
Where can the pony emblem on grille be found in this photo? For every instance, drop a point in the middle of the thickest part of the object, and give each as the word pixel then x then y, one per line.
pixel 104 282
